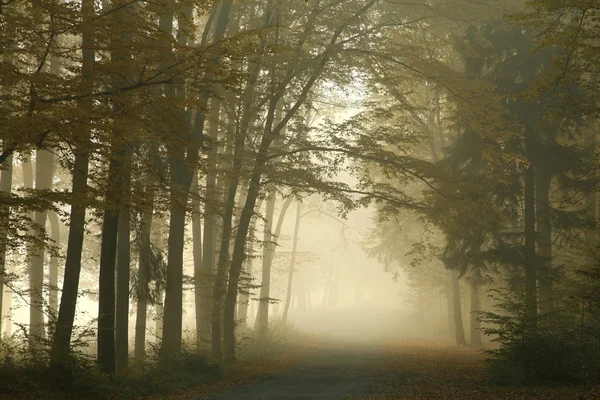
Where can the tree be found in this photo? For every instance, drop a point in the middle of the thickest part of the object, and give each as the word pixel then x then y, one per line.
pixel 66 313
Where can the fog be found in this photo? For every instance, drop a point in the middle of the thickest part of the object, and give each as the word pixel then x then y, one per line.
pixel 312 198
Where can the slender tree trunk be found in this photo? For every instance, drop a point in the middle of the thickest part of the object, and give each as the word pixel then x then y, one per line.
pixel 210 220
pixel 458 322
pixel 53 270
pixel 450 305
pixel 544 235
pixel 530 238
pixel 66 313
pixel 268 256
pixel 44 167
pixel 328 283
pixel 108 253
pixel 288 296
pixel 141 317
pixel 246 297
pixel 5 188
pixel 200 280
pixel 475 308
pixel 36 301
pixel 123 270
pixel 262 318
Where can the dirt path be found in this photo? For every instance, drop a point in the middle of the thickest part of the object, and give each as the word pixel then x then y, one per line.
pixel 400 371
pixel 329 372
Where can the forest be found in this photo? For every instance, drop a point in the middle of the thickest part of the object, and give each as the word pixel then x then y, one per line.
pixel 299 199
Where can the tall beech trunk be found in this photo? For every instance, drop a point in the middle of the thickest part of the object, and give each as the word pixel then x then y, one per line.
pixel 268 255
pixel 44 172
pixel 200 300
pixel 530 238
pixel 262 317
pixel 53 268
pixel 210 221
pixel 475 308
pixel 142 290
pixel 449 294
pixel 288 295
pixel 459 332
pixel 6 188
pixel 36 300
pixel 246 298
pixel 223 261
pixel 544 237
pixel 66 313
pixel 123 271
pixel 108 254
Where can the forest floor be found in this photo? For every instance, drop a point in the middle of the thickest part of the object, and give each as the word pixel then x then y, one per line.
pixel 350 371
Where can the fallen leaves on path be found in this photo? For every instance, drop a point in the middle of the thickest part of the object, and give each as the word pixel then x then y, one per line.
pixel 442 371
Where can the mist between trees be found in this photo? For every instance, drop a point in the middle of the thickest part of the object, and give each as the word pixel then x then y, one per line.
pixel 167 167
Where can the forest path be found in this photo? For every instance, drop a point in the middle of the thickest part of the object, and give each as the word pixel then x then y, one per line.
pixel 393 371
pixel 328 372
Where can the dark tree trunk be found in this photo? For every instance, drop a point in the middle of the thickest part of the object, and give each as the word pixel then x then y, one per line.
pixel 44 172
pixel 544 234
pixel 246 297
pixel 123 269
pixel 66 313
pixel 262 317
pixel 108 254
pixel 288 296
pixel 200 300
pixel 450 305
pixel 5 187
pixel 268 256
pixel 53 270
pixel 530 238
pixel 210 223
pixel 145 249
pixel 459 332
pixel 475 308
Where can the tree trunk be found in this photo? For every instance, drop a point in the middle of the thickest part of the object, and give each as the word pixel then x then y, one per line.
pixel 53 270
pixel 5 188
pixel 288 296
pixel 268 256
pixel 210 221
pixel 450 304
pixel 200 280
pixel 246 297
pixel 108 253
pixel 544 235
pixel 145 249
pixel 459 332
pixel 66 313
pixel 530 238
pixel 44 171
pixel 262 317
pixel 223 261
pixel 475 308
pixel 123 270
